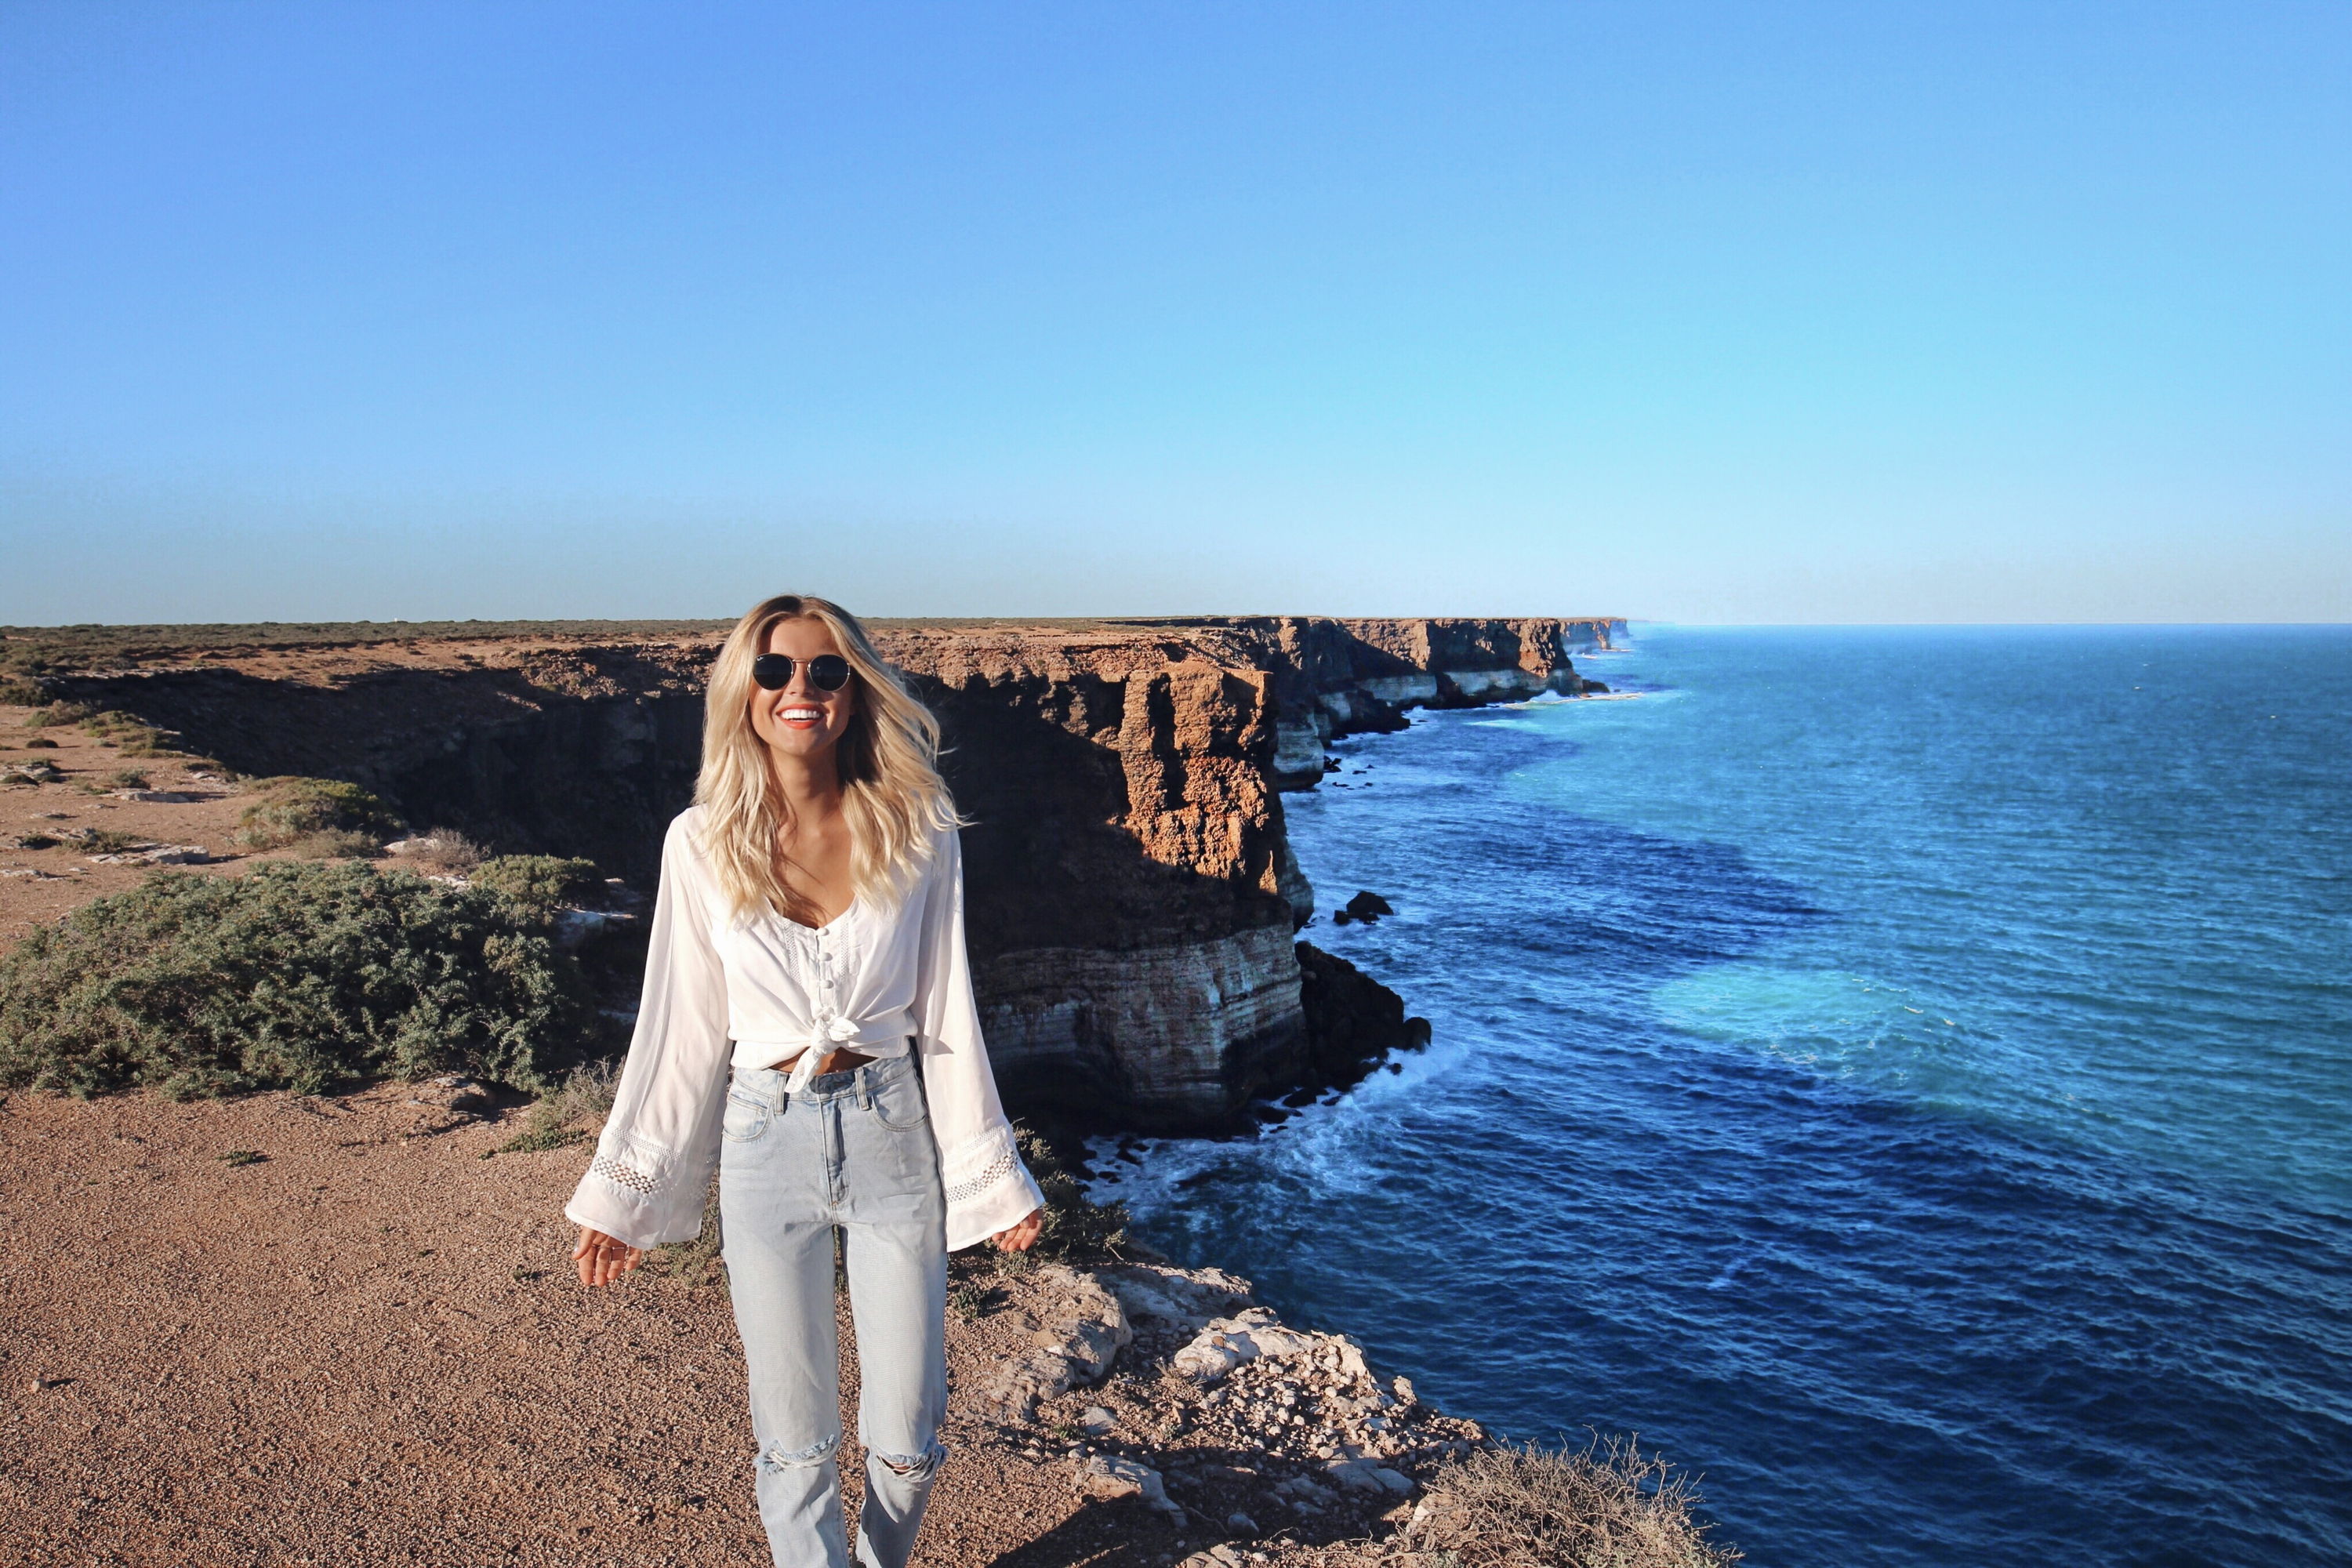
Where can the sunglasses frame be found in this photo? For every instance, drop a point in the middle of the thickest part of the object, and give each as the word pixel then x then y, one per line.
pixel 770 660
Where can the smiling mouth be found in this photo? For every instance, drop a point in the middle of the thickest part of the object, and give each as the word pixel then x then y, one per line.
pixel 801 718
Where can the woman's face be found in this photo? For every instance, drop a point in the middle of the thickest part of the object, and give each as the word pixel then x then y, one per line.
pixel 802 719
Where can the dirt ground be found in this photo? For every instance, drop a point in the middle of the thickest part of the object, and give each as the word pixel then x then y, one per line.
pixel 364 1345
pixel 38 884
pixel 282 1329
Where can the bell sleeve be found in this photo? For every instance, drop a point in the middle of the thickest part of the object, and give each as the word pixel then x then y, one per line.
pixel 987 1188
pixel 653 1162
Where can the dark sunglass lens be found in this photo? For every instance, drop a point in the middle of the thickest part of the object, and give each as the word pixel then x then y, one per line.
pixel 773 671
pixel 828 672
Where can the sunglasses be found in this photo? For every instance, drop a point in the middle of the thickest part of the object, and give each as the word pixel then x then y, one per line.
pixel 826 671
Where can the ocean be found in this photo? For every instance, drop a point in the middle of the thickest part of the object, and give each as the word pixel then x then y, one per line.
pixel 1903 1074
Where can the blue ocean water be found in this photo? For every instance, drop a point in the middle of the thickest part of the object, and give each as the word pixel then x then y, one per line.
pixel 1905 1075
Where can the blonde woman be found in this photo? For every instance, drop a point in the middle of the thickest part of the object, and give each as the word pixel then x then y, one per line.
pixel 808 1024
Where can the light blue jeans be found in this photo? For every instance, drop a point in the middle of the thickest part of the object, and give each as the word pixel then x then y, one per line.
pixel 854 1150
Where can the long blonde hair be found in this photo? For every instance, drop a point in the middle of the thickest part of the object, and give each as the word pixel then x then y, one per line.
pixel 888 761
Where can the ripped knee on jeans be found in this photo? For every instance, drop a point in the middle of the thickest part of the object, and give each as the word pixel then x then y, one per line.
pixel 776 1456
pixel 915 1467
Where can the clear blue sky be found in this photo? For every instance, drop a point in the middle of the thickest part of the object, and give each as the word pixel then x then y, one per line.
pixel 1757 312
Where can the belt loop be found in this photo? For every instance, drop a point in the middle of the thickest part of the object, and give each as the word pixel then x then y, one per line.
pixel 865 1087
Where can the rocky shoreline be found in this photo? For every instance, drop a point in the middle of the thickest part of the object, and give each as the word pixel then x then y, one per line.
pixel 1174 1388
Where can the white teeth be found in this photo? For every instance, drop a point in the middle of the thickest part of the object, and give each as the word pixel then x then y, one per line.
pixel 803 713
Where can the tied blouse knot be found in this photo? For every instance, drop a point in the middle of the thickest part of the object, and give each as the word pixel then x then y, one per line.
pixel 882 977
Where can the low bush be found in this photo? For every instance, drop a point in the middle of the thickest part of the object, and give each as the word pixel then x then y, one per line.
pixel 39 771
pixel 701 1260
pixel 1610 1506
pixel 290 810
pixel 299 976
pixel 544 881
pixel 129 733
pixel 24 694
pixel 555 1120
pixel 335 844
pixel 55 714
pixel 1077 1229
pixel 127 778
pixel 438 852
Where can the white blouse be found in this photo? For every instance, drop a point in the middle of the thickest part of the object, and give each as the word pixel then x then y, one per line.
pixel 750 991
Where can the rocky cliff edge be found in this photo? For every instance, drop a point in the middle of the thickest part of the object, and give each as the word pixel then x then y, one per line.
pixel 1132 891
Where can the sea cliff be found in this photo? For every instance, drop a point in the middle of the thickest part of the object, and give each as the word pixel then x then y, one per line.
pixel 1132 893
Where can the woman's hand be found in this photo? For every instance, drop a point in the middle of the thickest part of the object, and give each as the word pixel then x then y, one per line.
pixel 603 1258
pixel 1023 1236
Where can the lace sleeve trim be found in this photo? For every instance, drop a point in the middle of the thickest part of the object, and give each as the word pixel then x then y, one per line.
pixel 623 1174
pixel 996 1173
pixel 634 1169
pixel 980 1164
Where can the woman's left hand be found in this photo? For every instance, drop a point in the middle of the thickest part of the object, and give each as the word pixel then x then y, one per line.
pixel 1023 1236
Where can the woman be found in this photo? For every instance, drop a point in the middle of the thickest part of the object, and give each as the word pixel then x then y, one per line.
pixel 809 937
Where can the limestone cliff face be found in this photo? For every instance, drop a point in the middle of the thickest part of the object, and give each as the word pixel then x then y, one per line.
pixel 1334 677
pixel 1130 892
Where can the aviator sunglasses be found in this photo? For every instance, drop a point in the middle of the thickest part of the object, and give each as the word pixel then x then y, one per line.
pixel 826 671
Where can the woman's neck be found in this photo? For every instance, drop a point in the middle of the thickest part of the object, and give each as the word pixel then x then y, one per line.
pixel 810 785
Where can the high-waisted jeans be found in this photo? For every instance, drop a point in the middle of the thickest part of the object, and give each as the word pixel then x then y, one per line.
pixel 854 1150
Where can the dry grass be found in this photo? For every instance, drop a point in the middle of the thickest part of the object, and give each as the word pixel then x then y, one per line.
pixel 556 1120
pixel 438 852
pixel 1610 1506
pixel 700 1261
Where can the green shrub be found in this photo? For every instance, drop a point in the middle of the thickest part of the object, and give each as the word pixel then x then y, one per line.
pixel 127 778
pixel 55 714
pixel 335 844
pixel 24 694
pixel 132 735
pixel 544 881
pixel 1077 1229
pixel 551 1121
pixel 299 975
pixel 292 809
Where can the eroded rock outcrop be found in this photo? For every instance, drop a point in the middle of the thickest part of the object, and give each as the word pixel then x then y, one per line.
pixel 1214 1409
pixel 1130 889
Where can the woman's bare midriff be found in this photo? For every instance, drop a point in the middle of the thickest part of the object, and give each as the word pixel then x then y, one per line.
pixel 838 1061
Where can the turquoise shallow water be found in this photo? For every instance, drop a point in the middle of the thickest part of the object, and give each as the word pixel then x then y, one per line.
pixel 1906 1075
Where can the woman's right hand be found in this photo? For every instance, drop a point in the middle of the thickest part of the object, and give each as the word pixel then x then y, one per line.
pixel 603 1258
